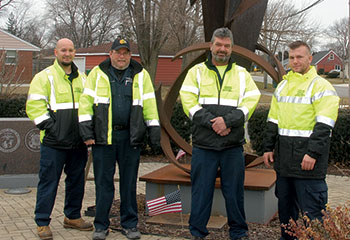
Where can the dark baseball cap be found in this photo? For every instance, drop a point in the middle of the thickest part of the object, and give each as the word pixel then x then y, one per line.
pixel 120 43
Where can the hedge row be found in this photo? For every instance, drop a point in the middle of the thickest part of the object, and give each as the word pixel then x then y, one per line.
pixel 15 107
pixel 340 142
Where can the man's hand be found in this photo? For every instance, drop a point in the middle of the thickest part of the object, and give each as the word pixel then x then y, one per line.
pixel 268 157
pixel 308 163
pixel 225 132
pixel 219 126
pixel 89 142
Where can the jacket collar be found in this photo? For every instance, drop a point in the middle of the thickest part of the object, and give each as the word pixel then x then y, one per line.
pixel 311 74
pixel 61 72
pixel 210 65
pixel 104 66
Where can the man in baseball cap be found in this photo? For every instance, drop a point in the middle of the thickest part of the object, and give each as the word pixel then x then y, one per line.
pixel 114 126
pixel 120 43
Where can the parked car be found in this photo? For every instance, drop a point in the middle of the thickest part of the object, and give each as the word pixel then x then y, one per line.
pixel 333 73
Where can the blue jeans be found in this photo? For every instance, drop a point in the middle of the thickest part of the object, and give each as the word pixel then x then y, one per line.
pixel 105 159
pixel 294 194
pixel 52 162
pixel 204 166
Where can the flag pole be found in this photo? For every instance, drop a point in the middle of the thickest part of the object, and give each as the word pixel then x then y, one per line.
pixel 181 216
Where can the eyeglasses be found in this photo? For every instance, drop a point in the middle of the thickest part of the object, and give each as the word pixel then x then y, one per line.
pixel 126 53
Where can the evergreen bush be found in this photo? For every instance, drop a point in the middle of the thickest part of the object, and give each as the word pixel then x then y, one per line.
pixel 340 142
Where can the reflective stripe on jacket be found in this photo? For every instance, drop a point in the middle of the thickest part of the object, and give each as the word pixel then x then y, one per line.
pixel 53 105
pixel 205 96
pixel 95 112
pixel 304 109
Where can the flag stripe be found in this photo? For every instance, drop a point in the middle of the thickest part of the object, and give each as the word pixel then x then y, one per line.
pixel 166 204
pixel 155 204
pixel 175 207
pixel 161 199
pixel 163 206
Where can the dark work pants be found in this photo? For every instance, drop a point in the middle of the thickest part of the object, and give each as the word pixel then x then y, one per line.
pixel 204 167
pixel 52 162
pixel 105 158
pixel 294 194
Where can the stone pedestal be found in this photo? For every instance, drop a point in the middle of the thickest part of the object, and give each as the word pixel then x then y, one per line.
pixel 259 199
pixel 19 153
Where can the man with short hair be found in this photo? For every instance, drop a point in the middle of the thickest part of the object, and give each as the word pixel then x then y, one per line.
pixel 53 106
pixel 117 106
pixel 303 112
pixel 219 97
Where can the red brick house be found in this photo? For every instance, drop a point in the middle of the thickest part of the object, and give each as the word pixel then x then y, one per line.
pixel 327 60
pixel 167 71
pixel 16 56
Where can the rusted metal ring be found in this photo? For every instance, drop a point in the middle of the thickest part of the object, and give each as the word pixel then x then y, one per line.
pixel 165 110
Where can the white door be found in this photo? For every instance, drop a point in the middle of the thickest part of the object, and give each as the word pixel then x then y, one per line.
pixel 80 62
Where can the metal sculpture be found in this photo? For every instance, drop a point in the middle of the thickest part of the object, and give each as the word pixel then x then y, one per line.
pixel 244 18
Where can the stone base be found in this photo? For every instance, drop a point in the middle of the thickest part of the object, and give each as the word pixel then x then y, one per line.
pixel 259 199
pixel 19 180
pixel 178 219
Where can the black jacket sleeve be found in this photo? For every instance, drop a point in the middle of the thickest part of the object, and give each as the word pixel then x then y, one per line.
pixel 319 140
pixel 154 136
pixel 202 117
pixel 234 118
pixel 86 130
pixel 47 124
pixel 270 136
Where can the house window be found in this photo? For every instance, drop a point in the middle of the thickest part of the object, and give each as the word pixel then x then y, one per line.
pixel 331 56
pixel 337 67
pixel 11 56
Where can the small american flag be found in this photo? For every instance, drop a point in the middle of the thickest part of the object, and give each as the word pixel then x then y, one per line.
pixel 180 154
pixel 166 204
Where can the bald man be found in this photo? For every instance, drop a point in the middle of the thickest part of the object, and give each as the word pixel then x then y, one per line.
pixel 52 105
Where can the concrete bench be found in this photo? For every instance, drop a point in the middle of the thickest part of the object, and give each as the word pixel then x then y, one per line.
pixel 259 199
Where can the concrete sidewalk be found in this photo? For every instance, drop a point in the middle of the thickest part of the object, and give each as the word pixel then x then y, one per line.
pixel 17 211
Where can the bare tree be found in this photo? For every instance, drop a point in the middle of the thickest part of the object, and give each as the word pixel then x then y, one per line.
pixel 284 23
pixel 10 76
pixel 163 24
pixel 339 34
pixel 186 24
pixel 86 22
pixel 148 21
pixel 5 3
pixel 24 25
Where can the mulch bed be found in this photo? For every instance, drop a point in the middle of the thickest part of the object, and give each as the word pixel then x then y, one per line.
pixel 256 231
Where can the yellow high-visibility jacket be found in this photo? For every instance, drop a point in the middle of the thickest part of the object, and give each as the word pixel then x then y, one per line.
pixel 206 95
pixel 95 112
pixel 304 109
pixel 53 106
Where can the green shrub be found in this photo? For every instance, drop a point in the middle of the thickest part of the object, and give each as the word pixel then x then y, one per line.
pixel 320 71
pixel 256 128
pixel 13 107
pixel 181 123
pixel 340 142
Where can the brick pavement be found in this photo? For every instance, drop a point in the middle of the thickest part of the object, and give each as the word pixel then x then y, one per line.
pixel 16 211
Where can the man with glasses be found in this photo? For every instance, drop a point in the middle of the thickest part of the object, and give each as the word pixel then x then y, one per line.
pixel 118 105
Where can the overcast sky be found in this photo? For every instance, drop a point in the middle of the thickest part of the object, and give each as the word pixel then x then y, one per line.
pixel 326 12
